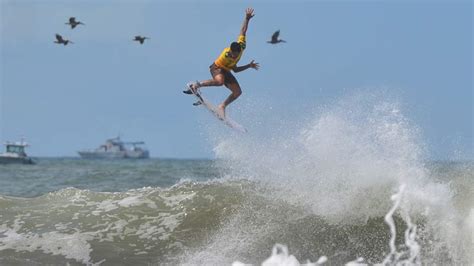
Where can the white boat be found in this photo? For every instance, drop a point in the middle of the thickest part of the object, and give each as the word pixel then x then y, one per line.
pixel 15 153
pixel 116 149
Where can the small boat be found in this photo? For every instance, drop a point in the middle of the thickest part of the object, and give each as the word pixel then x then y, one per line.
pixel 117 149
pixel 15 153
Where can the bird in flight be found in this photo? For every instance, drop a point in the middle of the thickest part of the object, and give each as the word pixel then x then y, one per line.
pixel 275 39
pixel 61 40
pixel 73 22
pixel 140 39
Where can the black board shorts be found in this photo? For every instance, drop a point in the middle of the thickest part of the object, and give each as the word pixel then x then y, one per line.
pixel 228 77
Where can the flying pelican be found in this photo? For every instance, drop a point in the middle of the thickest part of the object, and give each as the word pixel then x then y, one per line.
pixel 60 40
pixel 73 22
pixel 275 39
pixel 140 39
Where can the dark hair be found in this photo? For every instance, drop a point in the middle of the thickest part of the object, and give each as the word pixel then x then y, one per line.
pixel 235 47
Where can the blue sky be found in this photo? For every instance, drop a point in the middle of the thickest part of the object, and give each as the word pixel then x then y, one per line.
pixel 63 99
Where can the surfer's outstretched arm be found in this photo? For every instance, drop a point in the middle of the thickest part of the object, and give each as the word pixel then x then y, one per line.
pixel 248 15
pixel 252 64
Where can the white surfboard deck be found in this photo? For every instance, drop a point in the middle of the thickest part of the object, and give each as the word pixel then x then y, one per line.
pixel 213 109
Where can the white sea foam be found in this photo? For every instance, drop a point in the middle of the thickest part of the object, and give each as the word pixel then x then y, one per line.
pixel 94 218
pixel 71 246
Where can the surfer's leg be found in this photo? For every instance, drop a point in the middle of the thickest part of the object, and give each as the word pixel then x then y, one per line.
pixel 236 92
pixel 218 79
pixel 234 87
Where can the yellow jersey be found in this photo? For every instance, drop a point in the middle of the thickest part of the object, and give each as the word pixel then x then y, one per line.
pixel 226 61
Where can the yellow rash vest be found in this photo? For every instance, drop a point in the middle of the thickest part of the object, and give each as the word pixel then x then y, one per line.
pixel 226 61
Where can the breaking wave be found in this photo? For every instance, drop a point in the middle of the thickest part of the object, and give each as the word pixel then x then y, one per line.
pixel 320 185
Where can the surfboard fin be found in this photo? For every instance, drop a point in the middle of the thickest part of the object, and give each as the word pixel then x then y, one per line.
pixel 197 103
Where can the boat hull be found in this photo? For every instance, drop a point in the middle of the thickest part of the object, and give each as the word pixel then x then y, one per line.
pixel 114 155
pixel 15 160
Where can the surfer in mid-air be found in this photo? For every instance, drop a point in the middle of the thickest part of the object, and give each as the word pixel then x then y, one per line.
pixel 224 64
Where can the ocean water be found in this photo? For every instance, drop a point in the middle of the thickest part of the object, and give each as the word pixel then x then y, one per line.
pixel 350 184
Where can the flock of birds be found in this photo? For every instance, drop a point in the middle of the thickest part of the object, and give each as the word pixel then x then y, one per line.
pixel 74 23
pixel 141 39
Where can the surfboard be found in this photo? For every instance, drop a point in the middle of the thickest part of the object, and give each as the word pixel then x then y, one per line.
pixel 213 109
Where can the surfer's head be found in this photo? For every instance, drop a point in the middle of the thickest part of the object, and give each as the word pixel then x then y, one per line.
pixel 235 47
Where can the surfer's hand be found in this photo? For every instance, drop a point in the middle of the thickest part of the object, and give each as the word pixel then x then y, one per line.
pixel 254 65
pixel 249 13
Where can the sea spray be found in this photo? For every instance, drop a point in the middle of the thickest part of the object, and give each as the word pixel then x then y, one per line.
pixel 341 165
pixel 338 165
pixel 396 257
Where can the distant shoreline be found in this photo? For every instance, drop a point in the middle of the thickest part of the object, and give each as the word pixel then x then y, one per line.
pixel 211 159
pixel 151 158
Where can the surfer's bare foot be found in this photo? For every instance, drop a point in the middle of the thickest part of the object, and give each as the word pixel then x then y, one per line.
pixel 221 111
pixel 189 90
pixel 192 88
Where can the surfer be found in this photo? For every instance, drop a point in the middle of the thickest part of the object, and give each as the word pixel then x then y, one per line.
pixel 227 61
